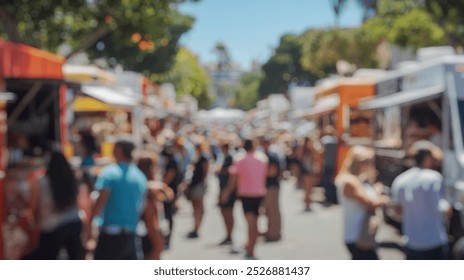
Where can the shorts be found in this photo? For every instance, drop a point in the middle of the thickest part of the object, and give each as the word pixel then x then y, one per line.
pixel 230 202
pixel 147 245
pixel 251 204
pixel 121 246
pixel 196 192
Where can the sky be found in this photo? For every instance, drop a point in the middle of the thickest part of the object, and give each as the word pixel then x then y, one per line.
pixel 250 29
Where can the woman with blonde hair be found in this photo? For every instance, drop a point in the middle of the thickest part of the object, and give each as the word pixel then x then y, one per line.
pixel 359 199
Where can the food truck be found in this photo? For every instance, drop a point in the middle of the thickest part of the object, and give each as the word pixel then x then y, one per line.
pixel 101 106
pixel 335 104
pixel 4 98
pixel 33 121
pixel 424 100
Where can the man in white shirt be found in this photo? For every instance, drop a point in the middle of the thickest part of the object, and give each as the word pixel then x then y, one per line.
pixel 419 197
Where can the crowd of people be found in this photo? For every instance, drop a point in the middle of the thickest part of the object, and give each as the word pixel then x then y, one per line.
pixel 115 212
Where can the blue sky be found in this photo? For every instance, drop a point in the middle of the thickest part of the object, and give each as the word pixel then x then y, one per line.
pixel 251 28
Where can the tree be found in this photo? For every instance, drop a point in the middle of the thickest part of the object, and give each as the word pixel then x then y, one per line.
pixel 443 19
pixel 337 6
pixel 449 14
pixel 416 29
pixel 141 54
pixel 188 77
pixel 284 67
pixel 406 24
pixel 44 23
pixel 83 24
pixel 322 49
pixel 246 95
pixel 369 8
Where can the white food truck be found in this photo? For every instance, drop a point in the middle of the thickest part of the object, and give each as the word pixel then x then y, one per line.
pixel 423 100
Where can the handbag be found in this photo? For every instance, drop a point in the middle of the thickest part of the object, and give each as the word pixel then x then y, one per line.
pixel 366 239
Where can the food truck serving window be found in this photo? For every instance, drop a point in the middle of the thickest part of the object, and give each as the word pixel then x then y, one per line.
pixel 34 128
pixel 360 123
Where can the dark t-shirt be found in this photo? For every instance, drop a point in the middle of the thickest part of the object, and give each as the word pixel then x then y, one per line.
pixel 198 171
pixel 330 151
pixel 273 181
pixel 173 165
pixel 224 174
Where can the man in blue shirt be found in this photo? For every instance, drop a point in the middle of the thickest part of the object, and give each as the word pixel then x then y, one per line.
pixel 122 188
pixel 418 195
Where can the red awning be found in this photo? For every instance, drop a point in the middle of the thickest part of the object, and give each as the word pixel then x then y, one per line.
pixel 21 61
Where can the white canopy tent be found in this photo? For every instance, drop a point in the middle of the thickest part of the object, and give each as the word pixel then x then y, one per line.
pixel 220 114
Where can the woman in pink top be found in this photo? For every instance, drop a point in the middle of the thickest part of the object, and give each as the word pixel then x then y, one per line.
pixel 249 176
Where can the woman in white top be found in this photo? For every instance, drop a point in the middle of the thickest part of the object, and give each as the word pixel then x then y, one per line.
pixel 359 200
pixel 57 214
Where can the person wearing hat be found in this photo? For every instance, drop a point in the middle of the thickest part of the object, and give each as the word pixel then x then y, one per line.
pixel 418 196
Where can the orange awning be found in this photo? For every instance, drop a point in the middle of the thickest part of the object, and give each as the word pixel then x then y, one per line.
pixel 21 61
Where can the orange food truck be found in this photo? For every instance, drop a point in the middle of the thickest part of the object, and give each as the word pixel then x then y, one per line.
pixel 33 120
pixel 335 104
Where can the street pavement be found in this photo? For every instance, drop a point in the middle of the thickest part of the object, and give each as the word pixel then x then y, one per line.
pixel 314 235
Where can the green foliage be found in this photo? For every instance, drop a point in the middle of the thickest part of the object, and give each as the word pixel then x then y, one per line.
pixel 157 59
pixel 284 67
pixel 405 23
pixel 246 95
pixel 376 29
pixel 323 48
pixel 188 77
pixel 416 29
pixel 83 24
pixel 449 14
pixel 45 23
pixel 390 10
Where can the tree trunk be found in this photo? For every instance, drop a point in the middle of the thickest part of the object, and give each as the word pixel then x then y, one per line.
pixel 11 26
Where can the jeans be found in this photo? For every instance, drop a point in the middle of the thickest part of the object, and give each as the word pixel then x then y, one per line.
pixel 121 246
pixel 437 253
